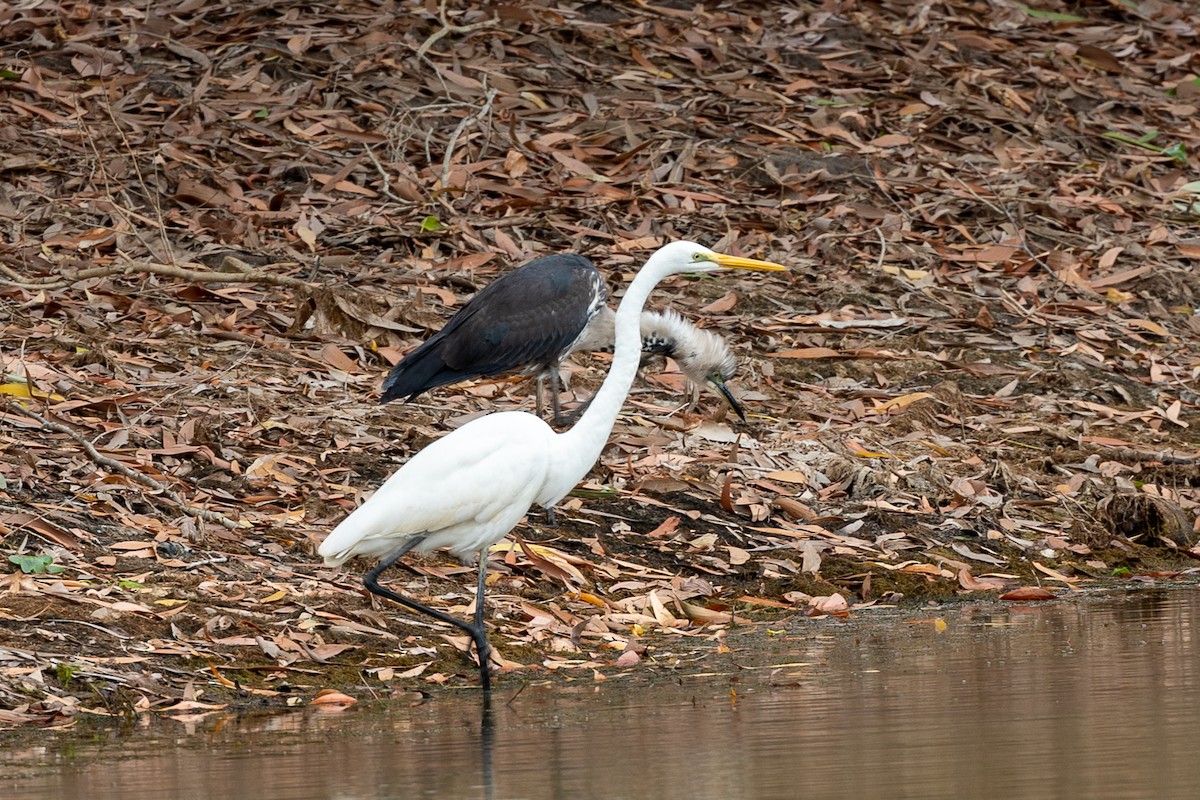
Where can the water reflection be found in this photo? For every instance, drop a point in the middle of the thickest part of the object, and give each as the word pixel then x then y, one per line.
pixel 487 739
pixel 1091 699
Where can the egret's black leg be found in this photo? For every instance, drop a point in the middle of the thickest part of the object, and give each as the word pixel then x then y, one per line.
pixel 477 633
pixel 553 523
pixel 480 632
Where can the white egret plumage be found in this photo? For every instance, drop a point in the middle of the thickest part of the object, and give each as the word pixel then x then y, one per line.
pixel 468 489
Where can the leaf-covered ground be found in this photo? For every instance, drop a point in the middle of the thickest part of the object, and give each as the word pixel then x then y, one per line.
pixel 223 222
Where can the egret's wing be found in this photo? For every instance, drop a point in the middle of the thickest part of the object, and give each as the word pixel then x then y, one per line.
pixel 478 479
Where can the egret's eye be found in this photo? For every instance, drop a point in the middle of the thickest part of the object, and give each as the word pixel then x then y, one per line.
pixel 698 257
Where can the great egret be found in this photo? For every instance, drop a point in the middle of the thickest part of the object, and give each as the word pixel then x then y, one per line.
pixel 468 489
pixel 533 317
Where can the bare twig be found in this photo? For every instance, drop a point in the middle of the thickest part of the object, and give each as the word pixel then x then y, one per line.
pixel 245 275
pixel 1018 228
pixel 116 466
pixel 217 560
pixel 448 29
pixel 101 628
pixel 1125 455
pixel 483 111
pixel 151 195
pixel 387 182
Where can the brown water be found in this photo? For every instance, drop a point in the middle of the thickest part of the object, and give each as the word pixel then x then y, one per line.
pixel 1096 698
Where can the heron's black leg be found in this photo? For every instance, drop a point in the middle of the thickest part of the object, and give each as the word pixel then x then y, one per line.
pixel 555 391
pixel 477 632
pixel 540 405
pixel 573 416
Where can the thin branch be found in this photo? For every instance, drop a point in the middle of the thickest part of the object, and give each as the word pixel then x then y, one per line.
pixel 387 182
pixel 483 111
pixel 448 29
pixel 244 275
pixel 1125 455
pixel 206 561
pixel 116 466
pixel 151 195
pixel 1018 228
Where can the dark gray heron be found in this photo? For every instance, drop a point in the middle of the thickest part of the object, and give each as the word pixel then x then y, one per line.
pixel 532 318
pixel 468 489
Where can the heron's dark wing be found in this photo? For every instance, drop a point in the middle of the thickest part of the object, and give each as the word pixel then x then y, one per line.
pixel 529 317
pixel 526 318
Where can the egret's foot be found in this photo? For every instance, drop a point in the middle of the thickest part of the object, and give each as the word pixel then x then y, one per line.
pixel 483 651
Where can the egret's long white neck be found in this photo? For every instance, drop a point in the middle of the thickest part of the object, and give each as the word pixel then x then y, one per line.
pixel 581 446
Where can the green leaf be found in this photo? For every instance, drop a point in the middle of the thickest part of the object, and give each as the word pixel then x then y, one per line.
pixel 1052 16
pixel 33 565
pixel 1121 572
pixel 9 75
pixel 262 114
pixel 1142 141
pixel 64 673
pixel 432 224
pixel 128 584
pixel 1178 153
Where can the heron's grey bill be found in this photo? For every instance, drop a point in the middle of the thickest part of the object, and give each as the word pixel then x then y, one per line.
pixel 729 398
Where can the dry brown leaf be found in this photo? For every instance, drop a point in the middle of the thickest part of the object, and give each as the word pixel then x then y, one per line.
pixel 666 528
pixel 1028 593
pixel 973 584
pixel 661 615
pixel 807 352
pixel 829 604
pixel 330 698
pixel 629 658
pixel 721 305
